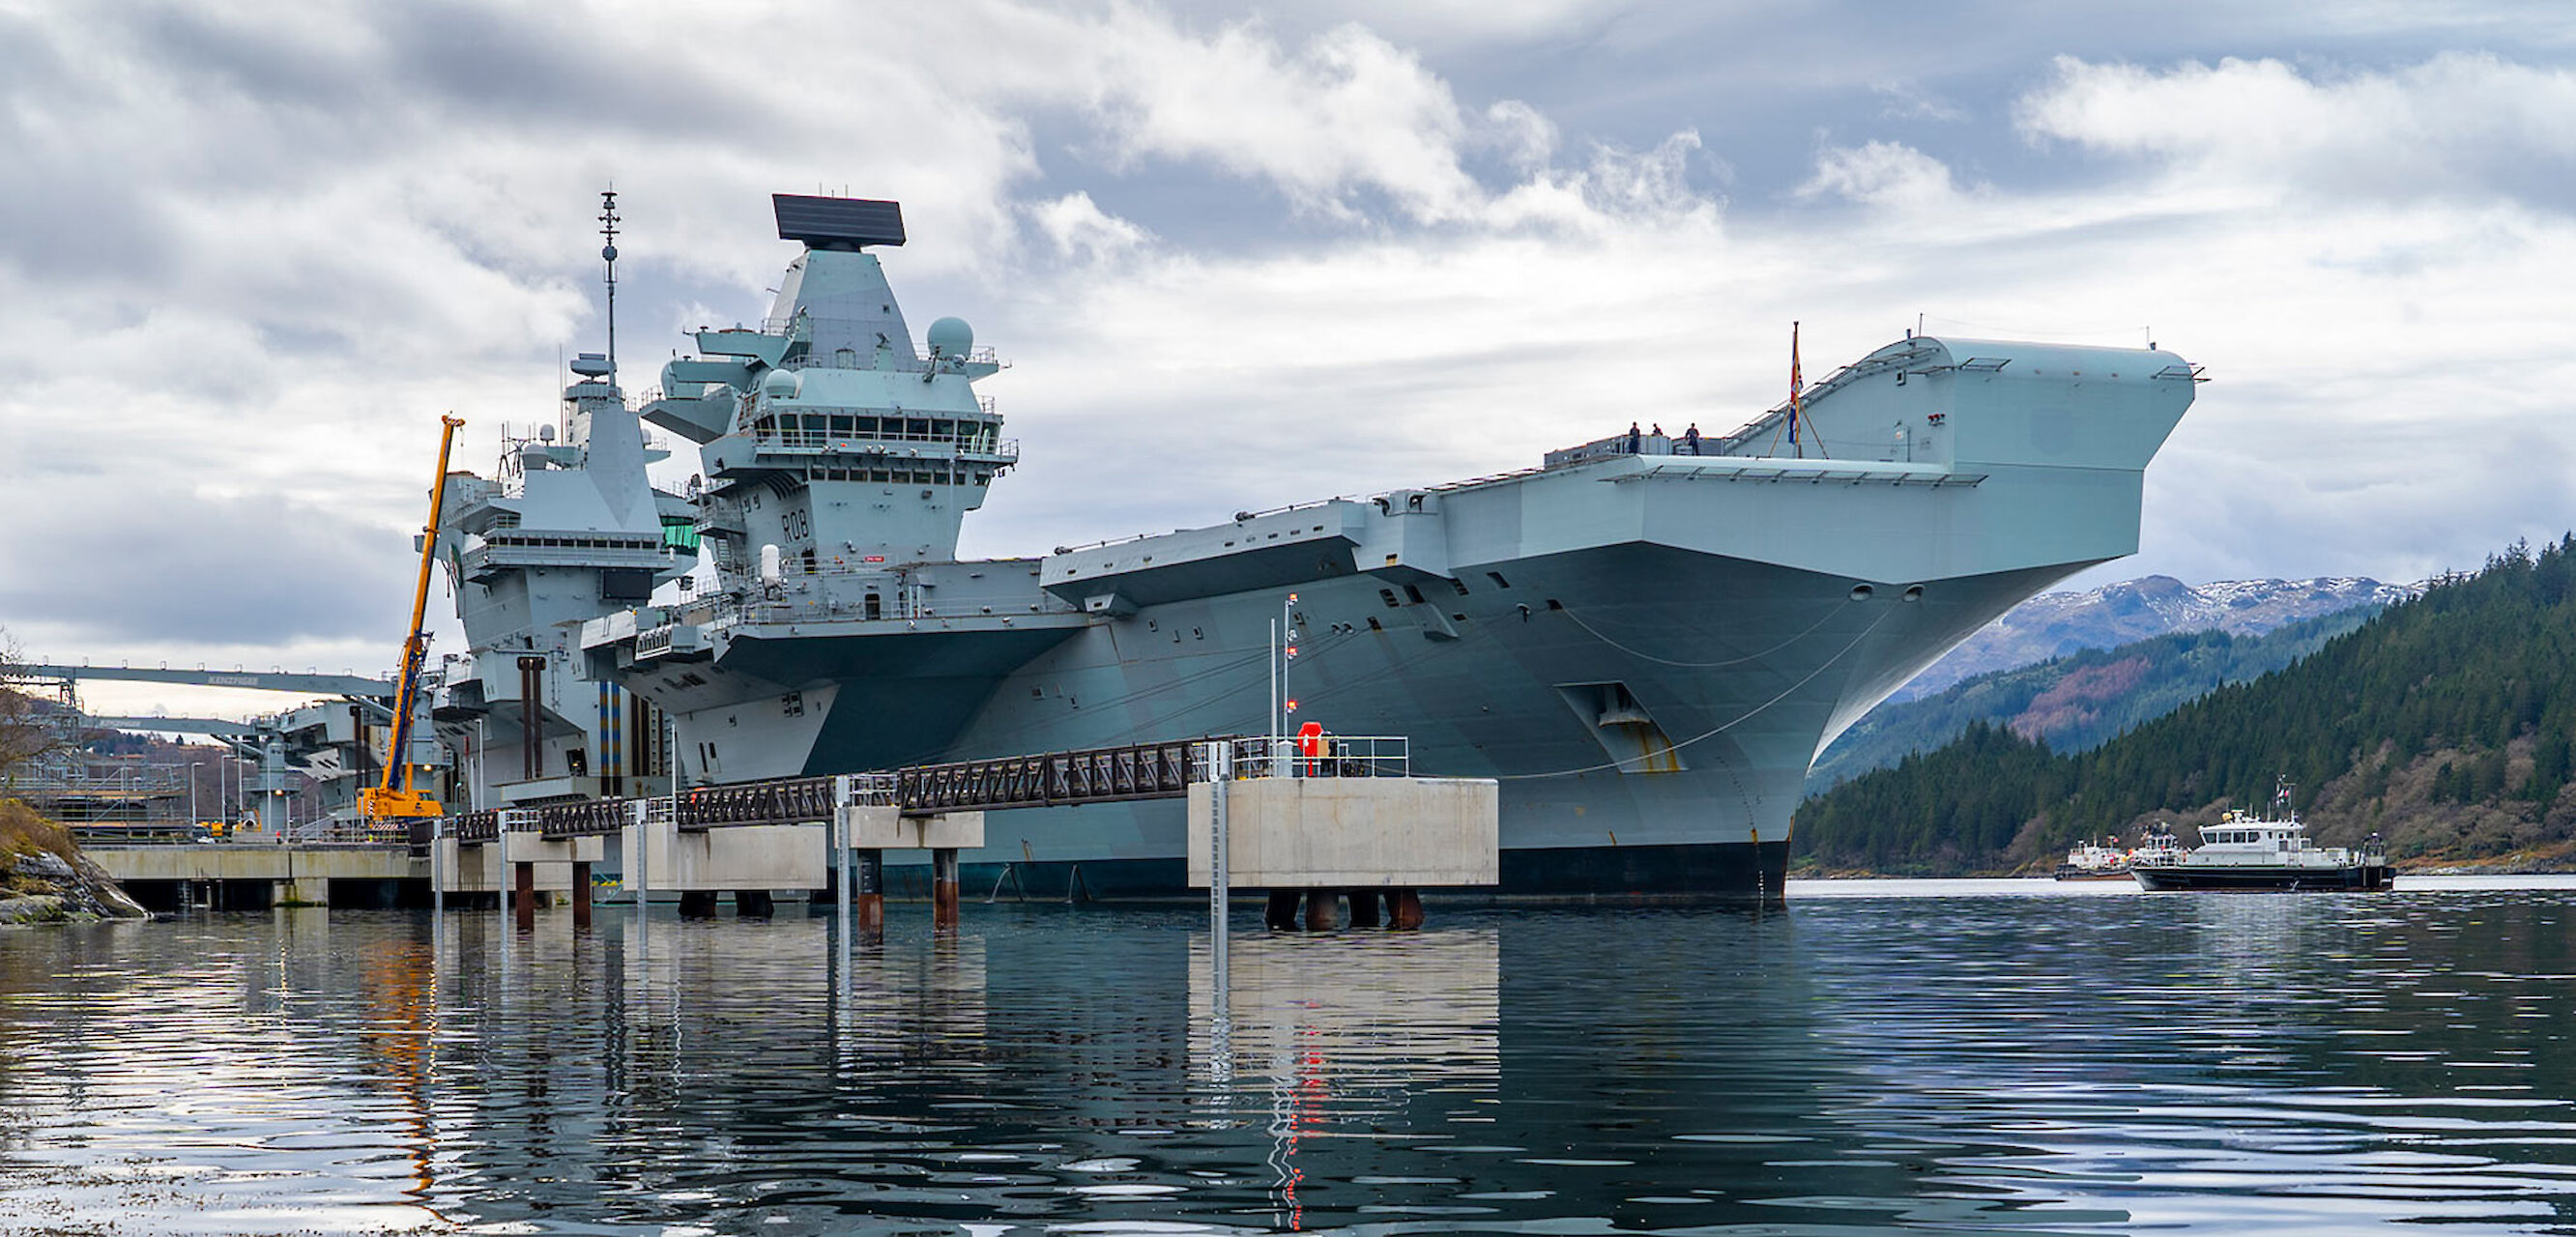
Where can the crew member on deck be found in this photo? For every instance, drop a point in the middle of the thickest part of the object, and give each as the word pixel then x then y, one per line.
pixel 1636 439
pixel 1690 438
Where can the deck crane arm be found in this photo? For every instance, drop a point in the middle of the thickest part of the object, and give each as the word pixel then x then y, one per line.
pixel 396 799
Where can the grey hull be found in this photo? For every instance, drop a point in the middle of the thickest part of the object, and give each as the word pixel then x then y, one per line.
pixel 1740 668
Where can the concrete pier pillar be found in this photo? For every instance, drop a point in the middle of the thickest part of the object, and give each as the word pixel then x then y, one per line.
pixel 867 906
pixel 1281 914
pixel 580 896
pixel 753 904
pixel 523 895
pixel 697 904
pixel 1404 909
pixel 1323 911
pixel 943 887
pixel 1363 908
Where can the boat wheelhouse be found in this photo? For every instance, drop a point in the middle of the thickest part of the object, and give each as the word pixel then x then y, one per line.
pixel 2244 851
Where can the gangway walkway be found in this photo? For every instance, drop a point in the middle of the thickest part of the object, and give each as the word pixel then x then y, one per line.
pixel 1049 779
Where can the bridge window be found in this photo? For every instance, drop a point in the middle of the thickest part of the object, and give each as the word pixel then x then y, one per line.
pixel 1413 594
pixel 1386 595
pixel 1497 578
pixel 1460 585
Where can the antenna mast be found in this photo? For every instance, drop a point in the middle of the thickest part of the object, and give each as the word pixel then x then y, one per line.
pixel 608 254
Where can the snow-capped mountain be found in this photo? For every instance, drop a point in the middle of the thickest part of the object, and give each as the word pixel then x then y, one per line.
pixel 2055 624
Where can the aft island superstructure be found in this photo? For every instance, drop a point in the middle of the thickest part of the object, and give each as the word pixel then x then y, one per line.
pixel 1645 639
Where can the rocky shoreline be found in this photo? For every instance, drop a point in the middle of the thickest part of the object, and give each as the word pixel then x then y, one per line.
pixel 45 879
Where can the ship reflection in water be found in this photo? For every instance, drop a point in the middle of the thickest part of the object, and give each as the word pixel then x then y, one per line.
pixel 1855 1064
pixel 1340 1033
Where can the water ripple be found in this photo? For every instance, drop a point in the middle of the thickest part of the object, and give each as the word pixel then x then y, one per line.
pixel 1909 1058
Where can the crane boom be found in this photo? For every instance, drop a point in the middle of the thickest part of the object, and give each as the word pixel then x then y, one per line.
pixel 389 801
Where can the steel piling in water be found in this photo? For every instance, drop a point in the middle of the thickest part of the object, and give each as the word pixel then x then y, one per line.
pixel 943 888
pixel 1363 908
pixel 1323 913
pixel 1404 909
pixel 869 906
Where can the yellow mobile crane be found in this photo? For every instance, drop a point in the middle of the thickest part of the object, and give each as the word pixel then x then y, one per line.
pixel 388 804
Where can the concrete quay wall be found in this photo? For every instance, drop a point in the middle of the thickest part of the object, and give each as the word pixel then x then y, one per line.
pixel 281 874
pixel 1350 832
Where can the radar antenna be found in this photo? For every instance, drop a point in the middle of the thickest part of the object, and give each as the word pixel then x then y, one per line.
pixel 608 253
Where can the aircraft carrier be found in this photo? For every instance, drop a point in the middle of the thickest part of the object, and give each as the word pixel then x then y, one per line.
pixel 1646 639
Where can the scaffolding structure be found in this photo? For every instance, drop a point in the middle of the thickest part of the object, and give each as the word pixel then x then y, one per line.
pixel 98 793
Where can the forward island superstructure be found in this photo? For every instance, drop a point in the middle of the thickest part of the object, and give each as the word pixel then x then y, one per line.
pixel 1645 639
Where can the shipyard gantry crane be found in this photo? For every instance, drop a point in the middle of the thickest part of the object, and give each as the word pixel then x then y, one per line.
pixel 396 800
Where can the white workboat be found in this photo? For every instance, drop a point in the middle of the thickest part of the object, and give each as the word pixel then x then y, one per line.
pixel 2244 851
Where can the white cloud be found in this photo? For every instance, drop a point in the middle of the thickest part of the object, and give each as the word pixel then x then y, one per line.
pixel 1078 226
pixel 1347 111
pixel 2460 126
pixel 1887 174
pixel 1909 100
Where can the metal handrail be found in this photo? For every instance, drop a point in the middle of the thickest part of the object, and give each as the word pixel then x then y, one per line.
pixel 1162 770
pixel 1326 755
pixel 866 444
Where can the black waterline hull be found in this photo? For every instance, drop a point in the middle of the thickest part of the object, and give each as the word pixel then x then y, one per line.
pixel 2255 879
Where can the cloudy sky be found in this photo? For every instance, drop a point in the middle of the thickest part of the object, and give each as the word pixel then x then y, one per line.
pixel 1242 255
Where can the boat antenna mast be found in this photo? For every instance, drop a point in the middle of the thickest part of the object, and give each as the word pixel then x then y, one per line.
pixel 608 253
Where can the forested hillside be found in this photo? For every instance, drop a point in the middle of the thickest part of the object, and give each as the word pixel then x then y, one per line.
pixel 2443 724
pixel 2080 701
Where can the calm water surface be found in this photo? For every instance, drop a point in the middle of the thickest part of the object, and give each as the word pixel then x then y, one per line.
pixel 1945 1056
